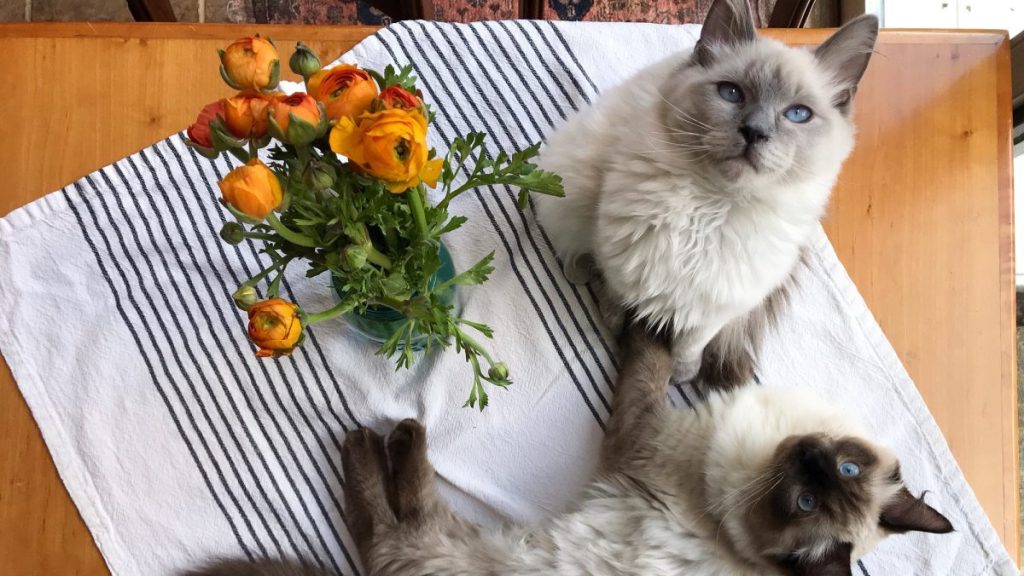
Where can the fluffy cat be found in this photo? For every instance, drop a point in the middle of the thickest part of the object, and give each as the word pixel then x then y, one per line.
pixel 757 481
pixel 693 187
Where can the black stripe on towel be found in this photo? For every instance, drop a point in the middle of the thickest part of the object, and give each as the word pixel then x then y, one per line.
pixel 206 201
pixel 581 71
pixel 211 328
pixel 508 206
pixel 209 195
pixel 161 310
pixel 531 227
pixel 572 55
pixel 300 433
pixel 180 297
pixel 502 137
pixel 147 356
pixel 177 336
pixel 447 138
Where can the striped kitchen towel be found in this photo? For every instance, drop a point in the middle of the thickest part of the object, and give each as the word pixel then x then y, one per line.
pixel 177 444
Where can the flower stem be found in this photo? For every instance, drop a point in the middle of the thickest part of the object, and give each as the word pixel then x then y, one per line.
pixel 289 234
pixel 346 305
pixel 377 257
pixel 391 238
pixel 240 154
pixel 258 236
pixel 266 271
pixel 472 343
pixel 416 205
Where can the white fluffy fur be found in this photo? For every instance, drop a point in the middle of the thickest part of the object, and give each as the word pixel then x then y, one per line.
pixel 693 242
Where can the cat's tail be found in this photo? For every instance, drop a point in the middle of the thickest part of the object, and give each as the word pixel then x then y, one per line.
pixel 258 568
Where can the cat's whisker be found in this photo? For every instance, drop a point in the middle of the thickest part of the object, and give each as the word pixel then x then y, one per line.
pixel 689 119
pixel 682 113
pixel 749 500
pixel 679 144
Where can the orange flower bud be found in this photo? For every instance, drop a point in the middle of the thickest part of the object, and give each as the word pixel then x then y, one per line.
pixel 391 145
pixel 245 115
pixel 253 189
pixel 250 63
pixel 200 132
pixel 305 111
pixel 398 97
pixel 274 327
pixel 345 90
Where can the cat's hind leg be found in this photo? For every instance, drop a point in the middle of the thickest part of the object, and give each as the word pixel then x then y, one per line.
pixel 414 496
pixel 368 513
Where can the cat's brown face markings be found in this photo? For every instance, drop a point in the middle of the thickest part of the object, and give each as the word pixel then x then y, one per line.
pixel 823 491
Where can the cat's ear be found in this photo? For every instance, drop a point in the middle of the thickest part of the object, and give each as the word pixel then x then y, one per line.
pixel 728 23
pixel 835 562
pixel 846 54
pixel 905 513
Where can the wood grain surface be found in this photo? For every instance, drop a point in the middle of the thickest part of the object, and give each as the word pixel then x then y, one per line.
pixel 922 219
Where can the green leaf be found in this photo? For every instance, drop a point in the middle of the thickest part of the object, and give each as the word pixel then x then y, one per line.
pixel 453 223
pixel 477 274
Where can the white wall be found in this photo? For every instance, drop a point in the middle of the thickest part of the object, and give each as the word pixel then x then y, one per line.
pixel 986 14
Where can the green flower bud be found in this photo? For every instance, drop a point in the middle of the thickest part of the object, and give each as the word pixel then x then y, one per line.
pixel 232 233
pixel 304 62
pixel 396 286
pixel 318 176
pixel 355 256
pixel 498 371
pixel 245 296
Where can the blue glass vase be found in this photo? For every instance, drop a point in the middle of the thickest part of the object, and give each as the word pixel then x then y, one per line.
pixel 378 323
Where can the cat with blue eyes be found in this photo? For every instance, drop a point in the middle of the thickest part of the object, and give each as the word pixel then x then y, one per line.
pixel 755 481
pixel 693 189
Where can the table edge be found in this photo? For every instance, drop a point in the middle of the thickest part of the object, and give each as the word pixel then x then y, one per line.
pixel 189 30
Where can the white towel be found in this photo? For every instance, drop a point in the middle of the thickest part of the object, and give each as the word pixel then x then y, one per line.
pixel 177 444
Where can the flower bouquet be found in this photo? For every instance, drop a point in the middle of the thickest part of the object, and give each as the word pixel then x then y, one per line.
pixel 341 188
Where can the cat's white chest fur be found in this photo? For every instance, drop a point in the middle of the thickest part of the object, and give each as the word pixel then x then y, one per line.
pixel 674 251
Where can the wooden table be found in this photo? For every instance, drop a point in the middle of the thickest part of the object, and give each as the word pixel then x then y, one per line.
pixel 922 219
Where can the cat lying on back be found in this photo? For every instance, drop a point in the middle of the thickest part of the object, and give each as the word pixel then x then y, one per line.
pixel 693 188
pixel 756 481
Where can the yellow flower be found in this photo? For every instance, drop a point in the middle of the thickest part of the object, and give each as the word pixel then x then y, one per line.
pixel 274 327
pixel 345 90
pixel 252 189
pixel 250 63
pixel 389 144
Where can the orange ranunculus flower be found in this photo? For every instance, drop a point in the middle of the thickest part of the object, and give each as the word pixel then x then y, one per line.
pixel 398 97
pixel 245 115
pixel 345 90
pixel 253 189
pixel 391 145
pixel 274 327
pixel 200 132
pixel 250 63
pixel 301 107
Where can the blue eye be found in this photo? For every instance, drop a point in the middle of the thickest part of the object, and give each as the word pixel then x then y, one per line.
pixel 798 113
pixel 807 502
pixel 849 470
pixel 730 92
